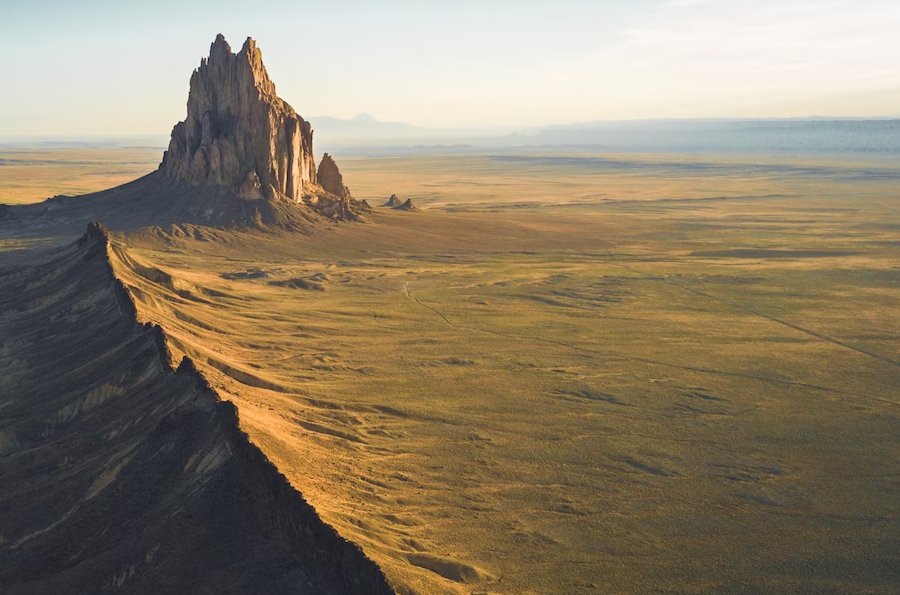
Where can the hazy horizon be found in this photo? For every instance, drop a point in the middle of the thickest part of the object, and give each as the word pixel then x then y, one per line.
pixel 365 136
pixel 105 69
pixel 356 131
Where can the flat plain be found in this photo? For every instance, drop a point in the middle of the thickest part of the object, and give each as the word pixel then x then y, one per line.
pixel 32 174
pixel 568 372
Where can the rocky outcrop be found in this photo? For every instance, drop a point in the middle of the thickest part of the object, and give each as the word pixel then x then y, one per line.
pixel 238 133
pixel 335 202
pixel 330 178
pixel 395 202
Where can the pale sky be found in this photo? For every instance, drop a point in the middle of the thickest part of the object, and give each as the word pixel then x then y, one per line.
pixel 104 67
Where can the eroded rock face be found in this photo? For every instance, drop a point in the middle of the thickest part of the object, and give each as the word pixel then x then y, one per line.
pixel 330 178
pixel 238 132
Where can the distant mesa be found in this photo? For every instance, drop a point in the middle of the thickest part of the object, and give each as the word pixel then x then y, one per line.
pixel 393 201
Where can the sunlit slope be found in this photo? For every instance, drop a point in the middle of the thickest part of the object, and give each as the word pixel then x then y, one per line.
pixel 696 397
pixel 124 473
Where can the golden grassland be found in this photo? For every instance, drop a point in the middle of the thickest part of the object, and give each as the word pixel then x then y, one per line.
pixel 656 374
pixel 32 175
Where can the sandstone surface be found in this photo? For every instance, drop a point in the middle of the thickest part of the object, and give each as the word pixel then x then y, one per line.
pixel 238 133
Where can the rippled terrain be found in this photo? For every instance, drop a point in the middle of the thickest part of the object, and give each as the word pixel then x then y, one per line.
pixel 562 374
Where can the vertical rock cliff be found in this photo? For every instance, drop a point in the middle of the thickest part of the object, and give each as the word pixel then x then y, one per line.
pixel 238 132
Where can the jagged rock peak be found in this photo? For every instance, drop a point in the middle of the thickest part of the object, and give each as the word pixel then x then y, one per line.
pixel 238 132
pixel 330 179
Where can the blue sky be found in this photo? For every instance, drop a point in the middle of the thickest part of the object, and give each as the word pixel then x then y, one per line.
pixel 99 67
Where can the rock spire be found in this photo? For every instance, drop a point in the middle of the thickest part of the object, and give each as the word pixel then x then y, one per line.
pixel 330 178
pixel 238 132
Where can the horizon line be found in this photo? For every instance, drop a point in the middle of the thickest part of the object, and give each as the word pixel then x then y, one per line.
pixel 487 128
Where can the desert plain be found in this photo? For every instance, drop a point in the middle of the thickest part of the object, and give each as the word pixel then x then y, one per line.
pixel 565 372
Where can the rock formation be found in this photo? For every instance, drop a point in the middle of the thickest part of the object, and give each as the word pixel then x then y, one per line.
pixel 238 133
pixel 406 206
pixel 330 178
pixel 394 202
pixel 242 157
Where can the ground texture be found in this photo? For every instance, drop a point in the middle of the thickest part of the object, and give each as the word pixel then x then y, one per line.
pixel 562 374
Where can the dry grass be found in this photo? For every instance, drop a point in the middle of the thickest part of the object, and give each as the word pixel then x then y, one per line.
pixel 33 175
pixel 630 393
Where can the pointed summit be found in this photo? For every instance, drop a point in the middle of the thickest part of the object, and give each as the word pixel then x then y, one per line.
pixel 253 56
pixel 330 178
pixel 219 46
pixel 238 133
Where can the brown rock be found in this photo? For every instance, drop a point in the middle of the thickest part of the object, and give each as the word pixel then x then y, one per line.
pixel 330 179
pixel 393 201
pixel 238 132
